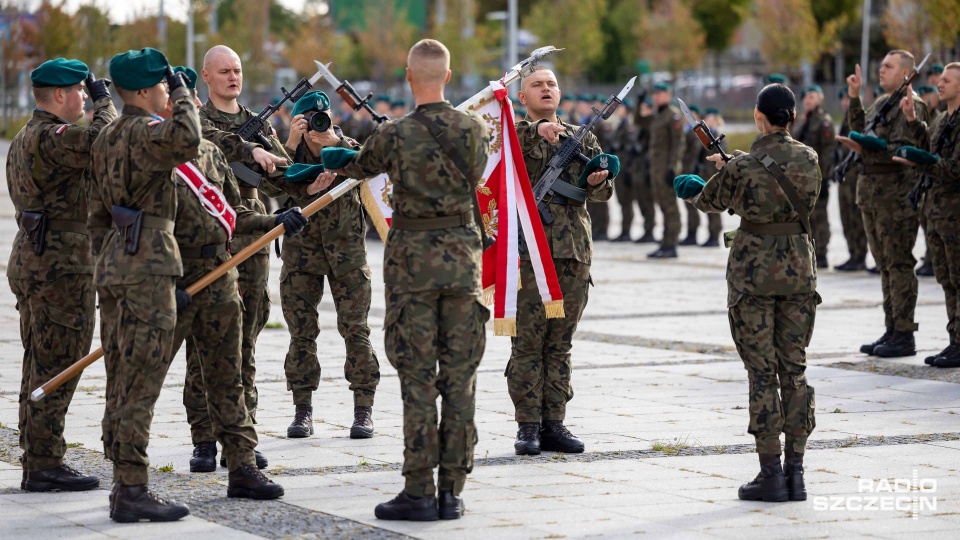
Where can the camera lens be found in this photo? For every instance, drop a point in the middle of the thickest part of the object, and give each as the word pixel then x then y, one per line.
pixel 319 121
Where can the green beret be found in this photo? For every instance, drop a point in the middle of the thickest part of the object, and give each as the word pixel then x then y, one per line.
pixel 190 74
pixel 662 87
pixel 688 186
pixel 776 78
pixel 936 69
pixel 398 103
pixel 600 162
pixel 135 70
pixel 811 88
pixel 628 103
pixel 301 173
pixel 916 155
pixel 695 109
pixel 337 158
pixel 520 112
pixel 648 101
pixel 584 97
pixel 311 101
pixel 59 73
pixel 383 98
pixel 868 142
pixel 565 98
pixel 600 97
pixel 926 89
pixel 711 110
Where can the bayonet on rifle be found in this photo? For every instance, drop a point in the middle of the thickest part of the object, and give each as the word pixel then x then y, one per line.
pixel 707 138
pixel 348 93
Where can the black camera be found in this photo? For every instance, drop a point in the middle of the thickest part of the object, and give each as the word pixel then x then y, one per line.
pixel 318 121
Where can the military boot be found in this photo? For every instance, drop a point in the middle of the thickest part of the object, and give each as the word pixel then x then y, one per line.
pixel 136 503
pixel 624 237
pixel 260 458
pixel 362 427
pixel 899 344
pixel 204 457
pixel 663 253
pixel 647 238
pixel 246 482
pixel 869 347
pixel 406 507
pixel 822 261
pixel 62 478
pixel 528 439
pixel 690 240
pixel 950 358
pixel 711 243
pixel 451 506
pixel 926 268
pixel 555 437
pixel 930 360
pixel 302 425
pixel 852 265
pixel 793 473
pixel 770 485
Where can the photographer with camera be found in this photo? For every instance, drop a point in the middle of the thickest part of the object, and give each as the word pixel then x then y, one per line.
pixel 332 245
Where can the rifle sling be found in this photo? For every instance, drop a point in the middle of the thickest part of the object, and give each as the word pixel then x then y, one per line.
pixel 774 169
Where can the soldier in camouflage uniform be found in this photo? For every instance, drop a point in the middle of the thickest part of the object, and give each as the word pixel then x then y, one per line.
pixel 816 131
pixel 434 323
pixel 694 159
pixel 941 204
pixel 850 215
pixel 640 171
pixel 771 282
pixel 631 185
pixel 540 369
pixel 205 221
pixel 356 124
pixel 890 222
pixel 137 264
pixel 606 132
pixel 50 267
pixel 666 150
pixel 332 246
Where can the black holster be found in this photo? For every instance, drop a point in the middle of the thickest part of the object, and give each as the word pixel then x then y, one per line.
pixel 35 225
pixel 129 222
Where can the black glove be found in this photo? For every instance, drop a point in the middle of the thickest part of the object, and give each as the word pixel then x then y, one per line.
pixel 98 88
pixel 183 300
pixel 292 220
pixel 174 79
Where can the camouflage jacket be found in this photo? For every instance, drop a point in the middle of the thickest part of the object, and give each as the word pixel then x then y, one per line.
pixel 334 241
pixel 426 183
pixel 943 198
pixel 45 173
pixel 133 160
pixel 195 227
pixel 886 189
pixel 666 142
pixel 765 265
pixel 569 234
pixel 816 131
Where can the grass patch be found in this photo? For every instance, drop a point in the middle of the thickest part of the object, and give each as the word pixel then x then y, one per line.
pixel 363 462
pixel 671 448
pixel 74 445
pixel 850 442
pixel 166 468
pixel 837 411
pixel 275 326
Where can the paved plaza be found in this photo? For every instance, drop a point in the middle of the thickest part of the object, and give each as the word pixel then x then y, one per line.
pixel 660 404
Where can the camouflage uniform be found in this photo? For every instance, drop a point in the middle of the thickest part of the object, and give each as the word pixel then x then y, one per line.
pixel 771 283
pixel 890 222
pixel 850 215
pixel 133 160
pixel 213 392
pixel 332 245
pixel 632 184
pixel 941 205
pixel 695 162
pixel 54 290
pixel 434 316
pixel 816 131
pixel 666 150
pixel 606 132
pixel 540 369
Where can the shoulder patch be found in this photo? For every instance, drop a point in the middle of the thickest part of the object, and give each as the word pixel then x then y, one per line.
pixel 61 129
pixel 153 123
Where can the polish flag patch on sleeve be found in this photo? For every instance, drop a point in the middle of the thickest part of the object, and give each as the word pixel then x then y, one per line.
pixel 61 129
pixel 154 122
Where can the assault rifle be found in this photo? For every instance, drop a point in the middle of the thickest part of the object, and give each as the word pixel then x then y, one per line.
pixel 252 129
pixel 925 181
pixel 348 93
pixel 879 119
pixel 570 150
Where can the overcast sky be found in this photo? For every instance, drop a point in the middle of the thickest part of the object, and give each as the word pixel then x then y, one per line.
pixel 124 10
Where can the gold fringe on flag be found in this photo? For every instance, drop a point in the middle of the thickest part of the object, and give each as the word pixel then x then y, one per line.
pixel 505 327
pixel 554 309
pixel 370 204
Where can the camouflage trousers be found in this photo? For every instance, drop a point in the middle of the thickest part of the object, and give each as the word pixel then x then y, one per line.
pixel 540 369
pixel 599 218
pixel 852 218
pixel 632 186
pixel 213 392
pixel 771 334
pixel 943 237
pixel 300 294
pixel 891 235
pixel 819 221
pixel 435 340
pixel 255 296
pixel 669 206
pixel 136 327
pixel 56 329
pixel 714 225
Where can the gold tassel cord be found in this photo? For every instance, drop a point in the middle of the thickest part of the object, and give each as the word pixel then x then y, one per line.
pixel 554 309
pixel 505 327
pixel 376 215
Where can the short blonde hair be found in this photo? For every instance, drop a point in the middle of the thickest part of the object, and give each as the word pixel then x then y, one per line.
pixel 429 61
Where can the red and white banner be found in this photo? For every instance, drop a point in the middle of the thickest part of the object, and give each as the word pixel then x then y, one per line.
pixel 211 198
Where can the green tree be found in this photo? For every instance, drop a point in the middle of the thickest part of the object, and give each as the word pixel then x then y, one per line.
pixel 572 24
pixel 720 20
pixel 381 46
pixel 620 31
pixel 475 54
pixel 789 30
pixel 913 24
pixel 670 39
pixel 56 30
pixel 92 41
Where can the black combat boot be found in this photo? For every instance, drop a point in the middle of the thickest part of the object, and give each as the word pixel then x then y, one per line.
pixel 528 439
pixel 869 347
pixel 362 427
pixel 663 253
pixel 261 460
pixel 899 344
pixel 770 485
pixel 624 237
pixel 554 437
pixel 852 265
pixel 406 507
pixel 647 238
pixel 302 425
pixel 822 261
pixel 793 473
pixel 690 240
pixel 62 478
pixel 204 457
pixel 246 482
pixel 136 503
pixel 951 349
pixel 710 243
pixel 950 358
pixel 926 268
pixel 451 506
